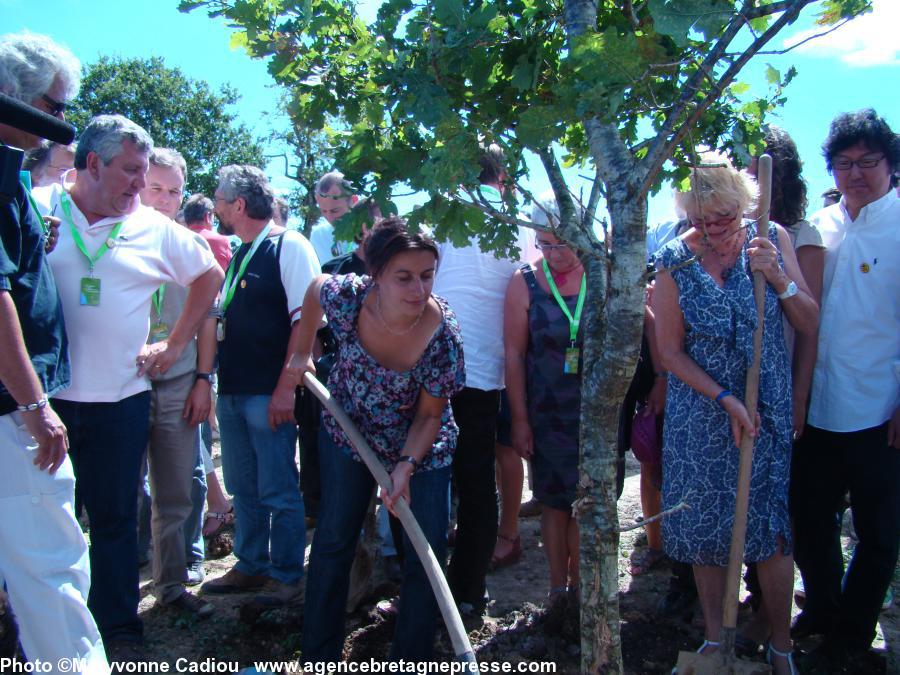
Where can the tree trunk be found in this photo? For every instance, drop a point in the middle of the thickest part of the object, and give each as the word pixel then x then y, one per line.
pixel 612 340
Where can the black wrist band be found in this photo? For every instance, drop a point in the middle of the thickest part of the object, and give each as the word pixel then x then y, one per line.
pixel 203 376
pixel 411 460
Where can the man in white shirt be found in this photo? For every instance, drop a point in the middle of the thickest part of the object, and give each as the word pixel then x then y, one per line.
pixel 852 436
pixel 43 554
pixel 113 254
pixel 334 197
pixel 474 284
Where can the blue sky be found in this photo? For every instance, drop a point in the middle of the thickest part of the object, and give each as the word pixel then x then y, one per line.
pixel 854 67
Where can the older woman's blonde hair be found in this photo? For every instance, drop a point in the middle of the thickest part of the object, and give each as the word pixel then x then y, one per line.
pixel 717 187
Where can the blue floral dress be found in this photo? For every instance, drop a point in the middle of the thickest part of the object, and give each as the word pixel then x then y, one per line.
pixel 700 459
pixel 382 402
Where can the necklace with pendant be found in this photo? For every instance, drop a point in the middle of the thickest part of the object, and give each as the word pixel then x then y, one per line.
pixel 385 323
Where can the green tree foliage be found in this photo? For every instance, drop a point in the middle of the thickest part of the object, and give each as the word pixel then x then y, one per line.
pixel 623 90
pixel 178 112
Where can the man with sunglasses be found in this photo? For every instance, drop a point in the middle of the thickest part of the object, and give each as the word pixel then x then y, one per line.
pixel 852 437
pixel 43 554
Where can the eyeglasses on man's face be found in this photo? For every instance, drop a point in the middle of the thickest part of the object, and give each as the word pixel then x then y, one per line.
pixel 54 107
pixel 845 164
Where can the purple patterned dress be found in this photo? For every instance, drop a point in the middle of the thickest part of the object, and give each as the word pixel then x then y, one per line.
pixel 382 402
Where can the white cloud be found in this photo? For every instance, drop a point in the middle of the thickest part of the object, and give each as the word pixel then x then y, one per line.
pixel 870 40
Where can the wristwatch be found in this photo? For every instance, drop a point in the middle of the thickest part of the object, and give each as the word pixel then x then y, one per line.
pixel 789 292
pixel 203 376
pixel 412 460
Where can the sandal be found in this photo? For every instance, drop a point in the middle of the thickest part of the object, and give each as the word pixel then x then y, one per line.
pixel 644 561
pixel 511 558
pixel 771 653
pixel 221 519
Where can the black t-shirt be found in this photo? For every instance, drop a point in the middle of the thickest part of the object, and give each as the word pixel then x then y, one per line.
pixel 349 263
pixel 257 324
pixel 26 275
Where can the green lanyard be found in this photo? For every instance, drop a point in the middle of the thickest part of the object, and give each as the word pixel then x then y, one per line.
pixel 25 177
pixel 158 298
pixel 79 242
pixel 232 279
pixel 573 322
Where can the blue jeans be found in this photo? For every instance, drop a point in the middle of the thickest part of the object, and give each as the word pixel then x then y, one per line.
pixel 106 443
pixel 261 474
pixel 346 490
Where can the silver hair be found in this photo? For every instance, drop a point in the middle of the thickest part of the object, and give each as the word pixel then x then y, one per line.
pixel 242 181
pixel 29 63
pixel 167 157
pixel 105 134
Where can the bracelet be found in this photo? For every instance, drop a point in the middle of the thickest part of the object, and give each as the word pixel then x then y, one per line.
pixel 30 407
pixel 411 460
pixel 722 394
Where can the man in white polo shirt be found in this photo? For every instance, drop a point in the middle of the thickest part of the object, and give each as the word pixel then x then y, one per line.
pixel 852 438
pixel 112 256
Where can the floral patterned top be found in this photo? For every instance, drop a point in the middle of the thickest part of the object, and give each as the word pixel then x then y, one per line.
pixel 380 401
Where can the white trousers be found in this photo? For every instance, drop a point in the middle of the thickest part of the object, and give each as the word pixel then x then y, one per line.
pixel 44 557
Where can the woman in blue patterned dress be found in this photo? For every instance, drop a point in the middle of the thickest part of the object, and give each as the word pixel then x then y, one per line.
pixel 399 361
pixel 705 317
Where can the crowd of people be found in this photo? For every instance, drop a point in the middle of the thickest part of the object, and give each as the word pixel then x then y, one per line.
pixel 131 331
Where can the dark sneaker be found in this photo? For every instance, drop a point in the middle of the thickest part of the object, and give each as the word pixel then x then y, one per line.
pixel 195 573
pixel 190 604
pixel 806 625
pixel 124 652
pixel 471 616
pixel 279 594
pixel 235 581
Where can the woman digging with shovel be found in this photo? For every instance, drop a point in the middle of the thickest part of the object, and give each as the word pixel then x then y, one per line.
pixel 399 361
pixel 705 318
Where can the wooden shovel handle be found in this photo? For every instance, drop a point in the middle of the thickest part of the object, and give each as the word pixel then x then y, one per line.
pixel 751 398
pixel 461 645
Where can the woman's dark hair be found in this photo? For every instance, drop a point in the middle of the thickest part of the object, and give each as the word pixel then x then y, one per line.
pixel 862 126
pixel 390 237
pixel 789 199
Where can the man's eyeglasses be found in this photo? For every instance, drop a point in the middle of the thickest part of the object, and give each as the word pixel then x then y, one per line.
pixel 550 248
pixel 844 164
pixel 57 108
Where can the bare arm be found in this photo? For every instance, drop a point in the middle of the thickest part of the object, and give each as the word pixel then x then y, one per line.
pixel 281 407
pixel 22 383
pixel 801 310
pixel 811 260
pixel 670 340
pixel 656 399
pixel 515 346
pixel 422 432
pixel 300 359
pixel 160 356
pixel 199 401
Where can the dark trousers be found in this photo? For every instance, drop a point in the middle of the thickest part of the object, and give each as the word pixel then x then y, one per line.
pixel 106 443
pixel 475 411
pixel 347 490
pixel 825 465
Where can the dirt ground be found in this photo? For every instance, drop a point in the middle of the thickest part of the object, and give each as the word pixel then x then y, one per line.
pixel 517 628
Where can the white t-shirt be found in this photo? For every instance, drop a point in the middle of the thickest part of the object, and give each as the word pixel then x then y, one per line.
pixel 104 340
pixel 474 284
pixel 322 239
pixel 855 384
pixel 298 266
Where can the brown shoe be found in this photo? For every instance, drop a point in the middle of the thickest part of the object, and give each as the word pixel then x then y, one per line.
pixel 235 581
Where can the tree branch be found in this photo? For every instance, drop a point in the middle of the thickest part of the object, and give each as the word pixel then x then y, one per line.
pixel 768 10
pixel 640 522
pixel 666 143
